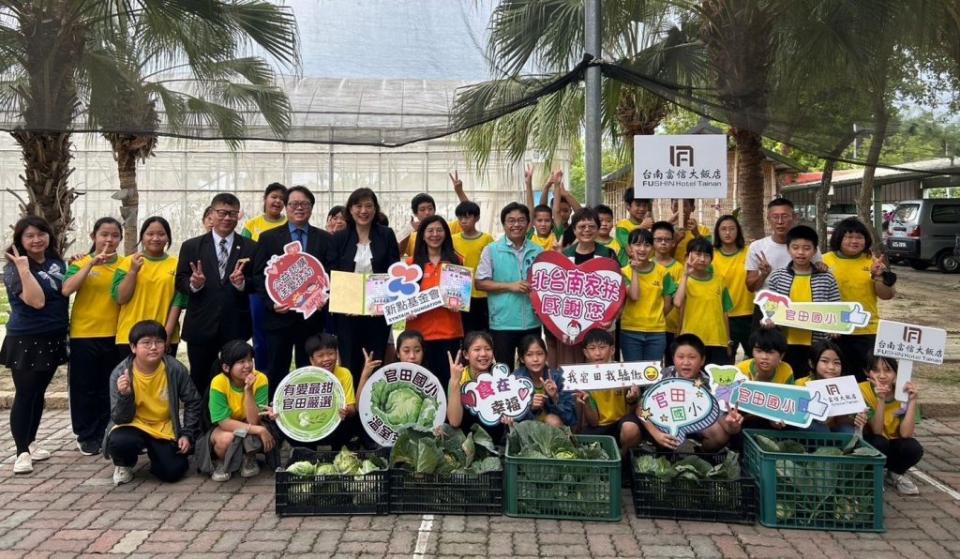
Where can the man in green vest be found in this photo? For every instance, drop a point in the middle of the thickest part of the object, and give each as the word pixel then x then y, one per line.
pixel 502 273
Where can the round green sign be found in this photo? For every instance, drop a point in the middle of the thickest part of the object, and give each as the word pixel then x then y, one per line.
pixel 308 402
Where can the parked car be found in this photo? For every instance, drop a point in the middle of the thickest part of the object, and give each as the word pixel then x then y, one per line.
pixel 926 232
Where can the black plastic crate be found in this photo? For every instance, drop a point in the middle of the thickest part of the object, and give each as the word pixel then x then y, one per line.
pixel 328 495
pixel 709 500
pixel 463 494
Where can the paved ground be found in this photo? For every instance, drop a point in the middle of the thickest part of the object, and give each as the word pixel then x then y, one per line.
pixel 69 507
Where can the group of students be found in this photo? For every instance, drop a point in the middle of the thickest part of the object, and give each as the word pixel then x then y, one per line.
pixel 690 303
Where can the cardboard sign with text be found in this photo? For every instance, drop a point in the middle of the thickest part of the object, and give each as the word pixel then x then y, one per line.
pixel 788 404
pixel 842 395
pixel 571 300
pixel 497 394
pixel 680 166
pixel 834 318
pixel 679 407
pixel 909 343
pixel 359 294
pixel 297 280
pixel 414 305
pixel 308 402
pixel 604 376
pixel 401 396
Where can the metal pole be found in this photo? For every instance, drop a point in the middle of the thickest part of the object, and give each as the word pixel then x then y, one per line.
pixel 592 153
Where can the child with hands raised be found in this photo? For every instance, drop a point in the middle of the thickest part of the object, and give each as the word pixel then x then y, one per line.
pixel 144 285
pixel 478 353
pixel 689 356
pixel 608 412
pixel 891 424
pixel 237 396
pixel 146 393
pixel 550 403
pixel 826 362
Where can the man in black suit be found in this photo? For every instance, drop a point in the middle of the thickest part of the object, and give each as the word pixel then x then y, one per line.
pixel 215 270
pixel 287 330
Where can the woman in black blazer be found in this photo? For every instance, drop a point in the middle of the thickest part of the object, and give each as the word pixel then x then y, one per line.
pixel 363 247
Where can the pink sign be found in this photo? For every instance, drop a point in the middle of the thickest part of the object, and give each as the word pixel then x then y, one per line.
pixel 571 299
pixel 297 280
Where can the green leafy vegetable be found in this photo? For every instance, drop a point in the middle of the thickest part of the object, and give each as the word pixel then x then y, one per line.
pixel 767 444
pixel 327 470
pixel 534 439
pixel 347 462
pixel 452 453
pixel 302 468
pixel 401 405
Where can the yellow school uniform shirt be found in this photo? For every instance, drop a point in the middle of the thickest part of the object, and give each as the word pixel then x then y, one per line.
pixel 346 381
pixel 853 279
pixel 227 400
pixel 611 405
pixel 259 225
pixel 152 404
pixel 783 374
pixel 680 253
pixel 453 224
pixel 891 419
pixel 704 307
pixel 800 292
pixel 614 245
pixel 152 298
pixel 646 314
pixel 675 271
pixel 470 250
pixel 549 242
pixel 622 231
pixel 733 269
pixel 95 312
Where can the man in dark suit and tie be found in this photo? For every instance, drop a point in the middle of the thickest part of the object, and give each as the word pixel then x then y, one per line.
pixel 287 330
pixel 215 271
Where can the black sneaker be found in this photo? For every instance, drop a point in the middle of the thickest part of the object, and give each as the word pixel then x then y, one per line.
pixel 89 448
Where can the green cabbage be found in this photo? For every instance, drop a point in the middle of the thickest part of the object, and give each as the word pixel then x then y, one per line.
pixel 347 462
pixel 303 468
pixel 401 405
pixel 452 453
pixel 327 470
pixel 374 464
pixel 534 439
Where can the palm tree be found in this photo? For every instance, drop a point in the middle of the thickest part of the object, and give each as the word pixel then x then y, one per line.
pixel 210 91
pixel 48 70
pixel 547 36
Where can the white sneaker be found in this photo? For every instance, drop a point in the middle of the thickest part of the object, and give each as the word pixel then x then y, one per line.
pixel 220 473
pixel 122 474
pixel 250 467
pixel 905 486
pixel 38 454
pixel 24 464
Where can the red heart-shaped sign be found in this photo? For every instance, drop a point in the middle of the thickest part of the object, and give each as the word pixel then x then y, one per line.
pixel 570 299
pixel 468 399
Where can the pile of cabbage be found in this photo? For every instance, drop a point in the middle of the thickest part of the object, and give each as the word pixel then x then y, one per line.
pixel 574 489
pixel 535 439
pixel 346 463
pixel 451 452
pixel 343 481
